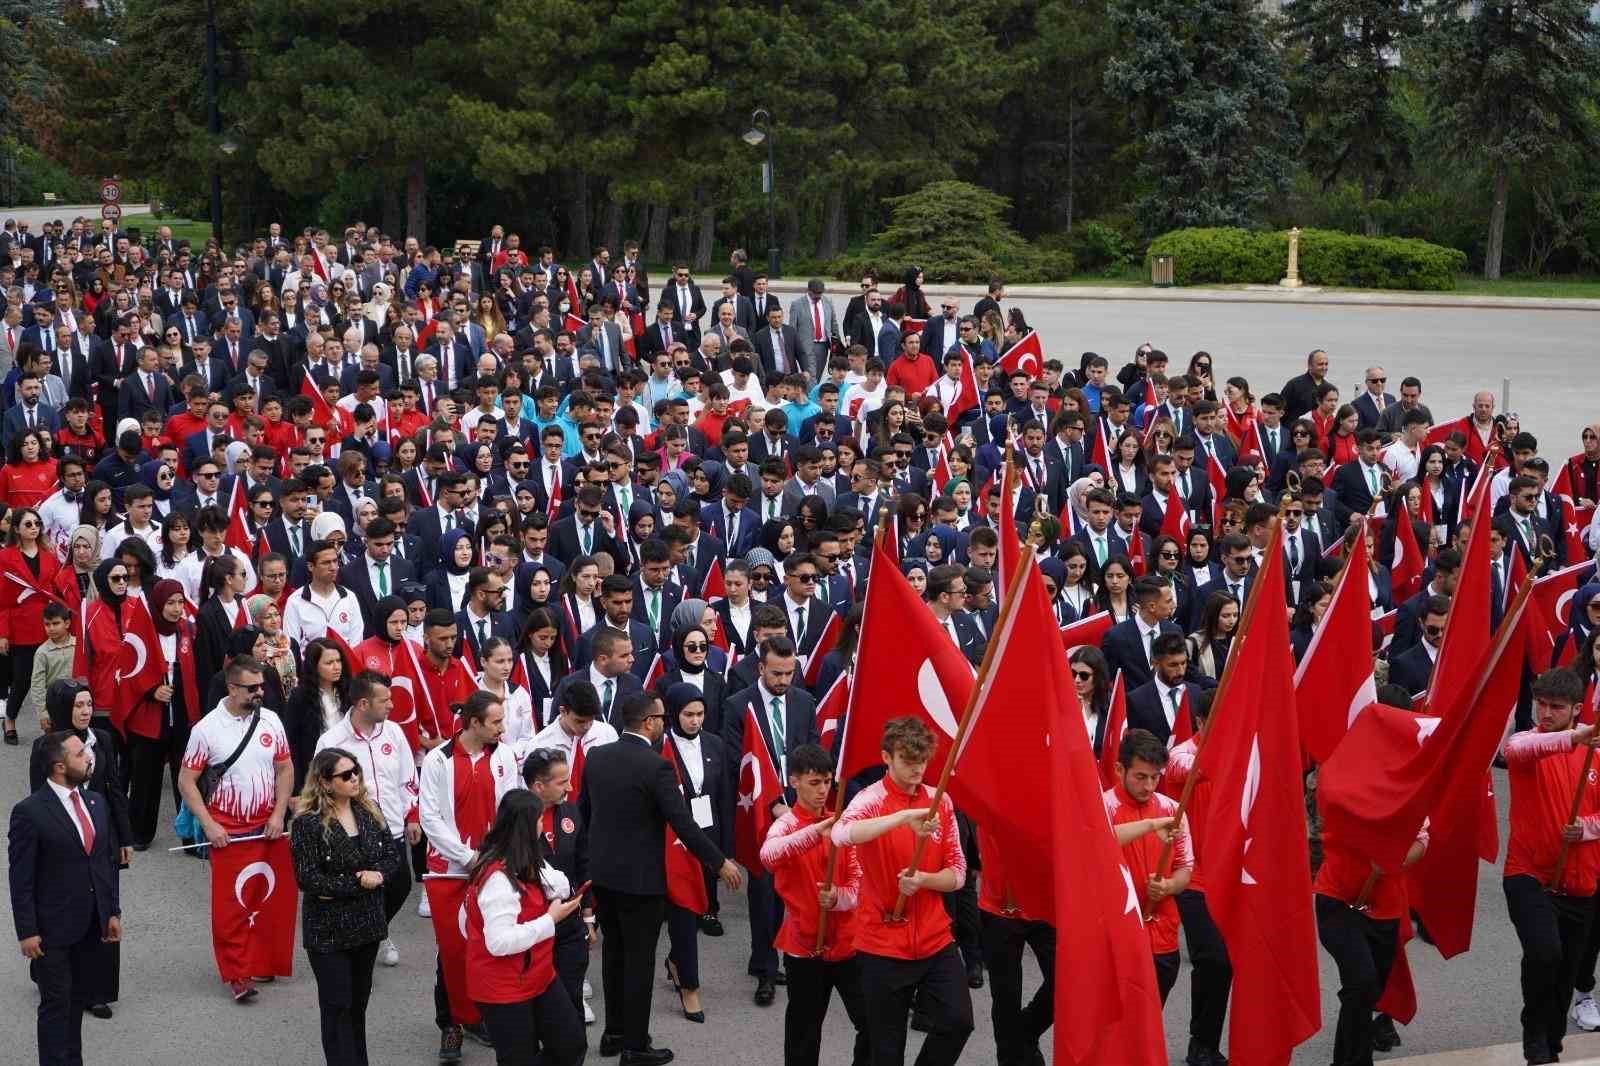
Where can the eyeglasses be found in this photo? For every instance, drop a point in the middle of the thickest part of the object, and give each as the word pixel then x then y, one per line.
pixel 352 774
pixel 259 686
pixel 1083 675
pixel 695 645
pixel 1376 381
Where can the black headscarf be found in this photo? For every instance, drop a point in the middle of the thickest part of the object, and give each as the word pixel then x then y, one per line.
pixel 58 701
pixel 386 607
pixel 676 699
pixel 102 584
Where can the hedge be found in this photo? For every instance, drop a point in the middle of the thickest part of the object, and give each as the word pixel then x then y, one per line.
pixel 1327 257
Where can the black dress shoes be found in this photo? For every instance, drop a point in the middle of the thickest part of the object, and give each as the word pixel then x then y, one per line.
pixel 656 1056
pixel 710 924
pixel 766 992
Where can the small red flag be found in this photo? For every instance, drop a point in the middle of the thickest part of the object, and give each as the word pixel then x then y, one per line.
pixel 831 707
pixel 1116 725
pixel 1175 523
pixel 686 881
pixel 712 587
pixel 1405 571
pixel 825 643
pixel 1090 630
pixel 1027 355
pixel 759 788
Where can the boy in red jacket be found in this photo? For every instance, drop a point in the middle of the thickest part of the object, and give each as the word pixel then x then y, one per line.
pixel 912 957
pixel 797 850
pixel 1552 920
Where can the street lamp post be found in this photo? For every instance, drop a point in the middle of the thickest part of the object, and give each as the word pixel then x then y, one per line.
pixel 213 119
pixel 761 130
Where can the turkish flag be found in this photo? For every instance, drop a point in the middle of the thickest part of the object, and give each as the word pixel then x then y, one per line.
pixel 321 413
pixel 758 789
pixel 1136 557
pixel 1218 479
pixel 1255 824
pixel 1085 631
pixel 1175 523
pixel 1116 1017
pixel 1441 433
pixel 909 325
pixel 1466 635
pixel 1182 722
pixel 831 707
pixel 905 665
pixel 1405 571
pixel 686 879
pixel 1116 725
pixel 1571 525
pixel 1335 679
pixel 719 638
pixel 1246 433
pixel 658 666
pixel 140 665
pixel 238 535
pixel 254 900
pixel 1027 355
pixel 1396 768
pixel 1102 450
pixel 447 900
pixel 429 693
pixel 967 398
pixel 825 643
pixel 1010 541
pixel 940 474
pixel 713 588
pixel 1550 614
pixel 352 661
pixel 1002 771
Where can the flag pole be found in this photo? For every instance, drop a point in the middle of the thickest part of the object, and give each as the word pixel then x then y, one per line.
pixel 1002 621
pixel 844 729
pixel 1572 816
pixel 1252 602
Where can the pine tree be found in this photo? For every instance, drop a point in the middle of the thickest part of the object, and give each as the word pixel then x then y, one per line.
pixel 1214 129
pixel 1510 85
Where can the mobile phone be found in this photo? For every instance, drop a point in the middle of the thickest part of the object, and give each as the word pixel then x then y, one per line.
pixel 581 890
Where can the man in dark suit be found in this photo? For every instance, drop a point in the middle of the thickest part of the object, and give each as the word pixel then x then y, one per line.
pixel 1357 484
pixel 941 332
pixel 429 524
pixel 1302 551
pixel 688 304
pixel 733 515
pixel 30 411
pixel 1412 669
pixel 663 333
pixel 616 606
pixel 375 574
pixel 604 339
pixel 584 532
pixel 777 345
pixel 65 899
pixel 655 596
pixel 946 594
pixel 1235 581
pixel 80 364
pixel 630 794
pixel 806 615
pixel 609 664
pixel 483 617
pixel 1211 443
pixel 786 715
pixel 1446 570
pixel 1127 645
pixel 1155 705
pixel 1522 526
pixel 744 314
pixel 1373 401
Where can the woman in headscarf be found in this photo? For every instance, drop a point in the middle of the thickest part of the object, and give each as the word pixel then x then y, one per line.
pixel 75 580
pixel 377 308
pixel 641 527
pixel 28 568
pixel 103 630
pixel 707 778
pixel 238 457
pixel 158 728
pixel 282 650
pixel 764 575
pixel 447 583
pixel 910 294
pixel 691 649
pixel 916 571
pixel 161 479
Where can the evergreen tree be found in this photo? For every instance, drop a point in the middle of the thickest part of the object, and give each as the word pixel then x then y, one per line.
pixel 1512 84
pixel 1214 129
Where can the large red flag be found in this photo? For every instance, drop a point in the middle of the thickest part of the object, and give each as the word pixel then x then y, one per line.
pixel 1571 527
pixel 1405 571
pixel 1551 612
pixel 1391 772
pixel 1088 630
pixel 1115 1018
pixel 1466 635
pixel 759 788
pixel 429 695
pixel 1027 355
pixel 905 665
pixel 1002 771
pixel 1175 523
pixel 1255 824
pixel 1335 678
pixel 967 398
pixel 825 643
pixel 831 707
pixel 1116 725
pixel 140 666
pixel 254 899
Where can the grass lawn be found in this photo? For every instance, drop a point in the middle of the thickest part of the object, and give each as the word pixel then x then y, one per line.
pixel 195 232
pixel 1563 287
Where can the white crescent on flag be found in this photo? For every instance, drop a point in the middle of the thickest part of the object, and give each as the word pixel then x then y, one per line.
pixel 931 691
pixel 748 799
pixel 1247 800
pixel 261 869
pixel 134 641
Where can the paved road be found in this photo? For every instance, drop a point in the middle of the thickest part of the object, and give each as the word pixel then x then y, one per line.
pixel 65 212
pixel 173 1007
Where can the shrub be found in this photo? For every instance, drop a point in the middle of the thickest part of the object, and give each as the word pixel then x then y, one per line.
pixel 955 232
pixel 1327 257
pixel 1102 246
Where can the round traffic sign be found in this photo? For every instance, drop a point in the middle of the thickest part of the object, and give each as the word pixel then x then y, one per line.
pixel 110 191
pixel 111 211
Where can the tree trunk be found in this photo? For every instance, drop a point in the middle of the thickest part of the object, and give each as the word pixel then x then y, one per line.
pixel 417 201
pixel 655 234
pixel 1072 152
pixel 830 242
pixel 1497 222
pixel 705 235
pixel 611 228
pixel 393 213
pixel 577 216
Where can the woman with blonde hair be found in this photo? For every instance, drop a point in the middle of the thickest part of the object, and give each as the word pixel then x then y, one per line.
pixel 343 854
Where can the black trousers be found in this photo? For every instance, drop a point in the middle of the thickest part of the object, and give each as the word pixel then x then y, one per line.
pixel 889 987
pixel 148 762
pixel 67 976
pixel 683 945
pixel 572 957
pixel 397 889
pixel 630 926
pixel 1167 965
pixel 962 904
pixel 1363 950
pixel 547 1030
pixel 344 985
pixel 441 997
pixel 1210 972
pixel 766 917
pixel 1554 930
pixel 1017 1029
pixel 21 678
pixel 1591 953
pixel 812 983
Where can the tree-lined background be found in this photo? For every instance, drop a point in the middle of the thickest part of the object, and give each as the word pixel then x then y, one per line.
pixel 1102 122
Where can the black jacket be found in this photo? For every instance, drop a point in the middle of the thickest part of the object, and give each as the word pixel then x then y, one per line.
pixel 337 913
pixel 57 889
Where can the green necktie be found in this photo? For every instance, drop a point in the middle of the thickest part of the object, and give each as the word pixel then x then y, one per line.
pixel 777 725
pixel 1372 479
pixel 383 578
pixel 1100 548
pixel 655 608
pixel 588 539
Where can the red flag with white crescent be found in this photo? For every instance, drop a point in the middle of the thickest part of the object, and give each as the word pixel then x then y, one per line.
pixel 713 587
pixel 825 643
pixel 1116 725
pixel 1572 524
pixel 1551 614
pixel 1406 569
pixel 830 708
pixel 254 901
pixel 967 398
pixel 686 880
pixel 140 665
pixel 1027 355
pixel 321 413
pixel 758 789
pixel 1089 630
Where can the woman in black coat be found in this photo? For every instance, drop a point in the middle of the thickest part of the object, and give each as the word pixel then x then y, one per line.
pixel 690 649
pixel 222 610
pixel 708 776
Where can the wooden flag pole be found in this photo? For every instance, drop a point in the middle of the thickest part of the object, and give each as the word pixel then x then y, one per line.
pixel 1572 816
pixel 1007 609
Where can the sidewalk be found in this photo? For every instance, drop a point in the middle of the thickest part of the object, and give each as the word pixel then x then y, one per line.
pixel 1580 1049
pixel 1308 296
pixel 66 213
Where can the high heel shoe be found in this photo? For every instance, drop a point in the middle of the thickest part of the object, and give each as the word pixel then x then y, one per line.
pixel 697 1016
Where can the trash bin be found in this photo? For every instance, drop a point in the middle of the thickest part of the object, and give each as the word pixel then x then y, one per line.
pixel 1161 271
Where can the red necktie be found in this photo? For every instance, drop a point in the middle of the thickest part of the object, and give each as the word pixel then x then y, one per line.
pixel 575 782
pixel 84 823
pixel 816 320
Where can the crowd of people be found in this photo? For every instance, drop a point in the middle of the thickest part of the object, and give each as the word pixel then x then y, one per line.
pixel 459 567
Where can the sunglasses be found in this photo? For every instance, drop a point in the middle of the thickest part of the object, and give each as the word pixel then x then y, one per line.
pixel 352 774
pixel 805 579
pixel 1433 631
pixel 695 646
pixel 1169 555
pixel 1376 381
pixel 259 686
pixel 1083 675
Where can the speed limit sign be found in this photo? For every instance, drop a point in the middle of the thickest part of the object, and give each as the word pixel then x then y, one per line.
pixel 111 211
pixel 110 192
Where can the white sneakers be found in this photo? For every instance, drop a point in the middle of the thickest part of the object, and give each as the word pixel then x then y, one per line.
pixel 588 989
pixel 588 994
pixel 423 909
pixel 1585 1014
pixel 388 954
